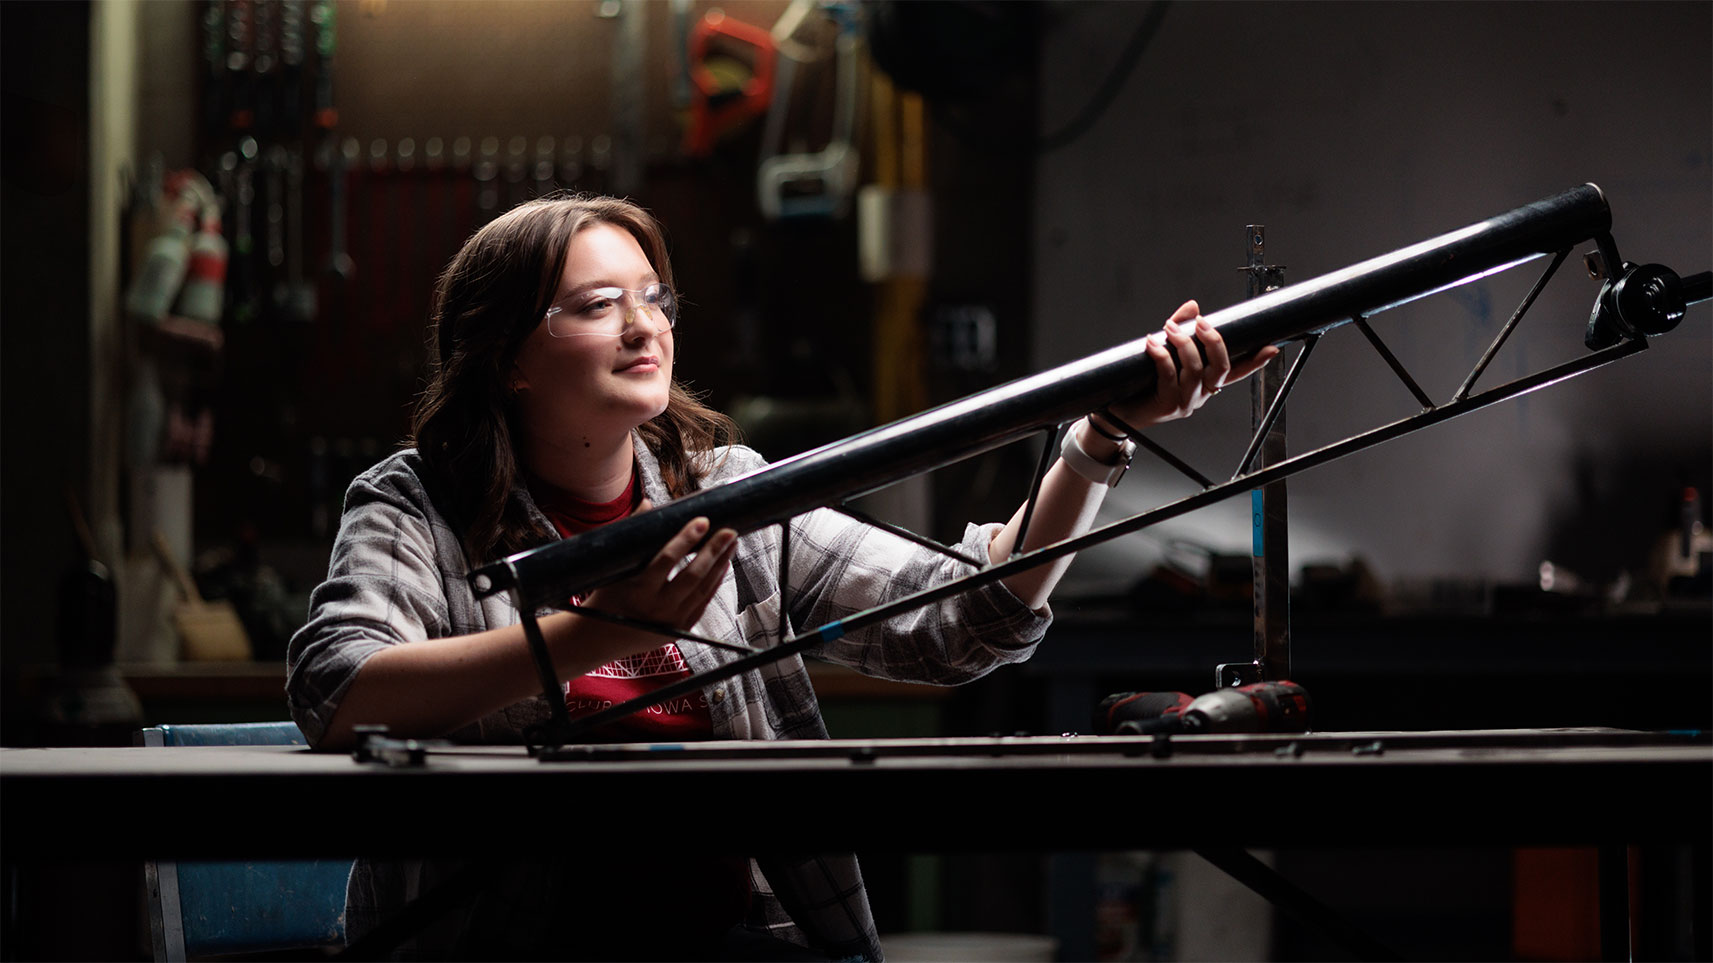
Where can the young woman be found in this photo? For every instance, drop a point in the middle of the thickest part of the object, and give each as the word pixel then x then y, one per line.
pixel 552 410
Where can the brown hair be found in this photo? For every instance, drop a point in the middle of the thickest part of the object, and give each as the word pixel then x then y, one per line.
pixel 486 303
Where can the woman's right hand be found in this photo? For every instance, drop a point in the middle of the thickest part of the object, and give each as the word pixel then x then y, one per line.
pixel 669 590
pixel 433 686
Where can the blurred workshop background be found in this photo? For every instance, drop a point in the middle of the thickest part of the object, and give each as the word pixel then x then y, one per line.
pixel 223 220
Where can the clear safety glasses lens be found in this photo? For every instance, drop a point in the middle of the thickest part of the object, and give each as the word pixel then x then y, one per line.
pixel 606 312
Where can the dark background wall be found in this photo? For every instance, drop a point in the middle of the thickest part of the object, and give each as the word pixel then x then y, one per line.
pixel 45 344
pixel 1351 130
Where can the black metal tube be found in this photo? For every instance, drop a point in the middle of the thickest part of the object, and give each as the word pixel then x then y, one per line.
pixel 989 419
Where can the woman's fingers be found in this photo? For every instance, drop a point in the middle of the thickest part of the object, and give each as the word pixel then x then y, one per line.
pixel 677 585
pixel 1218 367
pixel 1254 364
pixel 1219 371
pixel 673 552
pixel 1202 367
pixel 708 557
pixel 683 591
pixel 701 589
pixel 1189 361
pixel 1165 369
pixel 688 593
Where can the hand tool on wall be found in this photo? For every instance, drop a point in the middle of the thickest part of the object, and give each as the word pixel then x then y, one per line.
pixel 325 16
pixel 275 121
pixel 264 69
pixel 331 156
pixel 294 297
pixel 293 55
pixel 340 267
pixel 731 74
pixel 215 109
pixel 819 183
pixel 240 48
pixel 273 183
pixel 243 268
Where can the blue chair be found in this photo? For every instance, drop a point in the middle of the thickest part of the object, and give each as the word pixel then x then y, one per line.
pixel 228 908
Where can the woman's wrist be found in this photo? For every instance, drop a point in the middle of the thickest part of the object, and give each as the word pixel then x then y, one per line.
pixel 1096 443
pixel 1093 456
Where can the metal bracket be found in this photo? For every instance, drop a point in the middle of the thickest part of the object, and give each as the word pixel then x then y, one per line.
pixel 374 745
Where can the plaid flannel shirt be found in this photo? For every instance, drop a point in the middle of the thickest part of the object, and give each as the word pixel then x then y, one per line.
pixel 398 573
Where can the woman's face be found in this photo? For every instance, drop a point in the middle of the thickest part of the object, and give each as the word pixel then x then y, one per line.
pixel 572 390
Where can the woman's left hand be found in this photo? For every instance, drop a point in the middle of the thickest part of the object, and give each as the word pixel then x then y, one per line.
pixel 1187 384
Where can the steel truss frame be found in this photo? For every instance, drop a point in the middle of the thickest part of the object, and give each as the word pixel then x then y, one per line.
pixel 1043 405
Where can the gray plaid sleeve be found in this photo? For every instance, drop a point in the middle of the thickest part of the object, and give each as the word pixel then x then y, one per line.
pixel 840 566
pixel 382 588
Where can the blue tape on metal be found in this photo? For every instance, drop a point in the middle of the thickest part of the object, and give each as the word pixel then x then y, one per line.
pixel 832 631
pixel 1257 508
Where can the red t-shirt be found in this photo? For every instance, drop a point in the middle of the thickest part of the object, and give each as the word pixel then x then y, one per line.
pixel 681 719
pixel 704 896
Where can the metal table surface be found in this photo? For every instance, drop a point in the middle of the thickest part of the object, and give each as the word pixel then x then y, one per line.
pixel 1525 787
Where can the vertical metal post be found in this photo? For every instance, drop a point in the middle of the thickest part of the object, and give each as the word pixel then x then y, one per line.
pixel 1270 537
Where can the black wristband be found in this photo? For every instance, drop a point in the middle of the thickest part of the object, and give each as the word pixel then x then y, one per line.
pixel 1095 427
